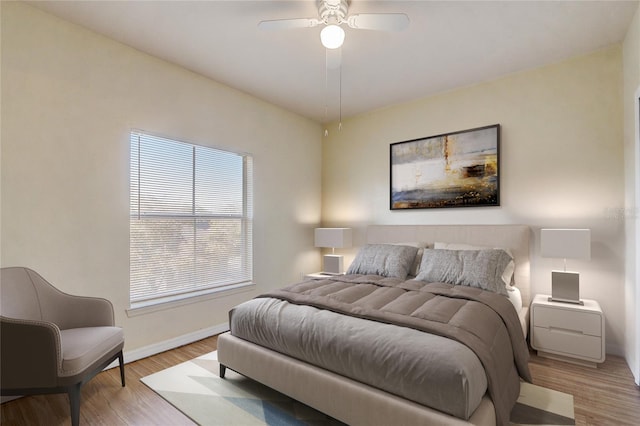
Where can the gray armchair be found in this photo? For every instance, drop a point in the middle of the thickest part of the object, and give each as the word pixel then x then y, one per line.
pixel 53 342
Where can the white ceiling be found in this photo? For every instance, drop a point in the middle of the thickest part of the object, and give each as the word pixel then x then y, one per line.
pixel 449 44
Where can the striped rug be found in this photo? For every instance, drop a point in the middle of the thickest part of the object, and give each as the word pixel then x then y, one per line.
pixel 195 389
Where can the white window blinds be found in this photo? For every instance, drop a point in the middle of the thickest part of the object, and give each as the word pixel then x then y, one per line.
pixel 190 219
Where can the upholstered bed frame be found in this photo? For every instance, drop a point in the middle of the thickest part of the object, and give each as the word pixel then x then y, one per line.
pixel 353 402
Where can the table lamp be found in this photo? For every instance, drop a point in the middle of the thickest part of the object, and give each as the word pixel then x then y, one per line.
pixel 333 238
pixel 565 244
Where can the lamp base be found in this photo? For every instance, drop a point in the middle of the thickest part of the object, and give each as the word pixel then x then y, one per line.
pixel 333 264
pixel 565 287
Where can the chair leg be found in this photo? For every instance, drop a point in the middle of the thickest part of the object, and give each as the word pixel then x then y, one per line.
pixel 223 370
pixel 121 359
pixel 74 402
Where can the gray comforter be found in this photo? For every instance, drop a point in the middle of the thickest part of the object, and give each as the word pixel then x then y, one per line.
pixel 483 322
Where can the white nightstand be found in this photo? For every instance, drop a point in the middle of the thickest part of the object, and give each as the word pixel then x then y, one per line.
pixel 319 276
pixel 572 333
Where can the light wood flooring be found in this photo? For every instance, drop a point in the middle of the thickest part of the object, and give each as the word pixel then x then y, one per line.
pixel 105 402
pixel 603 396
pixel 606 395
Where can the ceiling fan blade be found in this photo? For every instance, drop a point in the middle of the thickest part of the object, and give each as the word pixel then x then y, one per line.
pixel 379 21
pixel 334 58
pixel 288 24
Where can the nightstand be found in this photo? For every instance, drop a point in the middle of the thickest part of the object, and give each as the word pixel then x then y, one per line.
pixel 568 332
pixel 319 276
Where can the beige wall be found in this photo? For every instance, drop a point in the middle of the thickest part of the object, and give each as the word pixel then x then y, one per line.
pixel 631 61
pixel 69 99
pixel 561 165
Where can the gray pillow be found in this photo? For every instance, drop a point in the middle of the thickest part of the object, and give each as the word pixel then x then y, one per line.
pixel 474 268
pixel 387 260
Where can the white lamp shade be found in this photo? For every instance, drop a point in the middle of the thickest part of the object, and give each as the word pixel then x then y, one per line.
pixel 566 243
pixel 333 237
pixel 332 36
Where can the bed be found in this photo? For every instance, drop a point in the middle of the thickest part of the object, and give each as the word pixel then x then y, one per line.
pixel 327 344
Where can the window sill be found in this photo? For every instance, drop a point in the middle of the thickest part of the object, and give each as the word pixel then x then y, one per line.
pixel 170 302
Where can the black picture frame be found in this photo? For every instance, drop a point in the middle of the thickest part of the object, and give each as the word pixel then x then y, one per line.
pixel 457 169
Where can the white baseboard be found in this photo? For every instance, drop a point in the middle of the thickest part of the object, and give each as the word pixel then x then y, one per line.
pixel 156 348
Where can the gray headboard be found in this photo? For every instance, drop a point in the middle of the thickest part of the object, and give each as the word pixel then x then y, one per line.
pixel 514 237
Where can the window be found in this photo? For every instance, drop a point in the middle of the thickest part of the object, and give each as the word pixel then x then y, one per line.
pixel 190 220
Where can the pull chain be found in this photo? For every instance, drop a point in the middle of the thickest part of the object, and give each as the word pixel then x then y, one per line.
pixel 340 95
pixel 326 90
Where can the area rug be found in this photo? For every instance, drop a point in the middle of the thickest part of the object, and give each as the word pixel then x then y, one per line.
pixel 195 389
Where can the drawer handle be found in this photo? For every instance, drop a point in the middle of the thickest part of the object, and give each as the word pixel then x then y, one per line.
pixel 565 330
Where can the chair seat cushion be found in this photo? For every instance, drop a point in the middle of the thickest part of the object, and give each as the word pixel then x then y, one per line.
pixel 81 347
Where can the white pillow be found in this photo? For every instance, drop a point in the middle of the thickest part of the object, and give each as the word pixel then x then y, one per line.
pixel 507 275
pixel 515 297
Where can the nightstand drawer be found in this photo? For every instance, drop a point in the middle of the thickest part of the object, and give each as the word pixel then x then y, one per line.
pixel 553 318
pixel 568 343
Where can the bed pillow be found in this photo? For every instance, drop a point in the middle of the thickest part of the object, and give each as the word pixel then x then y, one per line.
pixel 515 297
pixel 387 260
pixel 474 268
pixel 507 275
pixel 415 267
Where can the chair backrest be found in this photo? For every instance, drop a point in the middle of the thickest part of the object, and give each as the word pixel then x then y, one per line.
pixel 18 294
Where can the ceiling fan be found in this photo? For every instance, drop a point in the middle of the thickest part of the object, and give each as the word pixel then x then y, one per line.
pixel 332 14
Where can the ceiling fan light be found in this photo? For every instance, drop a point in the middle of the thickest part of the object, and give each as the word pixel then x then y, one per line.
pixel 332 36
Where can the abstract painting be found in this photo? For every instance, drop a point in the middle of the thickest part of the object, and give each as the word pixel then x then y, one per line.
pixel 458 169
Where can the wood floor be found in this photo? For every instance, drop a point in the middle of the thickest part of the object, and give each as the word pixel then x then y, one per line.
pixel 105 402
pixel 606 395
pixel 603 396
